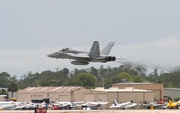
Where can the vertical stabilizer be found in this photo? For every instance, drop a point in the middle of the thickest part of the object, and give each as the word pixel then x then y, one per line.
pixel 94 49
pixel 115 102
pixel 170 102
pixel 107 49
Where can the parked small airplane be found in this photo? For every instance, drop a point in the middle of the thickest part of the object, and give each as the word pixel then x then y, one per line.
pixel 9 105
pixel 155 105
pixel 67 105
pixel 173 105
pixel 83 58
pixel 93 105
pixel 123 105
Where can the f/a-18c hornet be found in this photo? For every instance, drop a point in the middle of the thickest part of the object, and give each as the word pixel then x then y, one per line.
pixel 83 58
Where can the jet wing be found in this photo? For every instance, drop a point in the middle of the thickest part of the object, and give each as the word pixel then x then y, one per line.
pixel 69 56
pixel 76 56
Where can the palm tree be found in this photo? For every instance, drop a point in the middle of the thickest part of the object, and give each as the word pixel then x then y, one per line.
pixel 12 88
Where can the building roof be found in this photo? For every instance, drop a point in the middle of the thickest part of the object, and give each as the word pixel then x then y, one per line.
pixel 127 89
pixel 3 88
pixel 62 89
pixel 136 83
pixel 174 89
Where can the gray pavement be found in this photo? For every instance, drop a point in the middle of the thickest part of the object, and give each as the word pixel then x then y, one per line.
pixel 94 111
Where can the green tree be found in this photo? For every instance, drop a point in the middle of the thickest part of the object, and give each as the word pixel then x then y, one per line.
pixel 170 79
pixel 153 77
pixel 4 79
pixel 13 79
pixel 65 73
pixel 123 75
pixel 12 88
pixel 137 79
pixel 94 72
pixel 86 80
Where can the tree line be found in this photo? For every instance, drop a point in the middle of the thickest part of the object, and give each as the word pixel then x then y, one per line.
pixel 89 78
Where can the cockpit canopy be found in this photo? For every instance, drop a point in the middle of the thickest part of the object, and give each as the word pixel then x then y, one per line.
pixel 65 49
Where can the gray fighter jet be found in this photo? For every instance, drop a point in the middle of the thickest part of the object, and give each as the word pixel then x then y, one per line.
pixel 83 58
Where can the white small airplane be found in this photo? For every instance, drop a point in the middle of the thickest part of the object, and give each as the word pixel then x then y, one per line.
pixel 8 105
pixel 93 105
pixel 83 57
pixel 31 105
pixel 67 105
pixel 123 105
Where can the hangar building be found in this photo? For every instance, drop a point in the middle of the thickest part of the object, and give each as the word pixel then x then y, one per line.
pixel 157 88
pixel 78 93
pixel 172 92
pixel 108 95
pixel 63 93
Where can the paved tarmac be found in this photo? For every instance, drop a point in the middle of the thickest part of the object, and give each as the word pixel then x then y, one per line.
pixel 94 111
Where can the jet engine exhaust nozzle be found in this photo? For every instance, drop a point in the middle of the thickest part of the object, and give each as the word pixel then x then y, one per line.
pixel 110 58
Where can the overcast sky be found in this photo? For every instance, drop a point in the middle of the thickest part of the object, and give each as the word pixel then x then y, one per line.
pixel 144 31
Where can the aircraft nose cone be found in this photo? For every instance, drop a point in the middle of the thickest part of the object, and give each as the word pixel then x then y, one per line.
pixel 50 55
pixel 53 55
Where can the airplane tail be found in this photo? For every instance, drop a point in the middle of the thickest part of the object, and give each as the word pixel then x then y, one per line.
pixel 94 49
pixel 170 102
pixel 107 49
pixel 115 102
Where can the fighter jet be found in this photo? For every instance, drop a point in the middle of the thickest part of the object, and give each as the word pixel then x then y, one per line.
pixel 83 58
